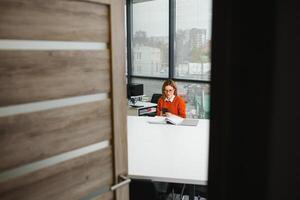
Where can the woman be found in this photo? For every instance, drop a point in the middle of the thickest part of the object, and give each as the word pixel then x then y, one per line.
pixel 170 103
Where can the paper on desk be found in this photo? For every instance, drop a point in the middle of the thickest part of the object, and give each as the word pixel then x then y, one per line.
pixel 174 119
pixel 157 120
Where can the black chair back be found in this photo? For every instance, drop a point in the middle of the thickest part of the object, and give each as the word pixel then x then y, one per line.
pixel 155 98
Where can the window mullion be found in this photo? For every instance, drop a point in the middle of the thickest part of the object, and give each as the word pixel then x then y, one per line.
pixel 172 33
pixel 129 13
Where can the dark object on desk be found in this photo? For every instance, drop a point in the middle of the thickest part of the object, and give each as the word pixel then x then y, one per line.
pixel 164 110
pixel 153 114
pixel 133 100
pixel 135 106
pixel 155 98
pixel 135 90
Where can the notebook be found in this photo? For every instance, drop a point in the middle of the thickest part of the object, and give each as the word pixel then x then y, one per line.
pixel 175 120
pixel 189 122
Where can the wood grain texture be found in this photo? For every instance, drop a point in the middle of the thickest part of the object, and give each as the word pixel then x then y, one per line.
pixel 30 137
pixel 72 179
pixel 108 2
pixel 119 94
pixel 63 20
pixel 105 196
pixel 28 76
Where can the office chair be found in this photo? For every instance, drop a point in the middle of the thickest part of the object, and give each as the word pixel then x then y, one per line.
pixel 155 98
pixel 175 189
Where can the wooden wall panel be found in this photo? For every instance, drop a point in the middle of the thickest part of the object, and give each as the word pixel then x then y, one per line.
pixel 71 179
pixel 28 76
pixel 29 137
pixel 54 20
pixel 105 196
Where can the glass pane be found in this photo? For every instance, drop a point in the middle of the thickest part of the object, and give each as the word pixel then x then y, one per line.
pixel 150 42
pixel 150 86
pixel 193 36
pixel 196 95
pixel 197 99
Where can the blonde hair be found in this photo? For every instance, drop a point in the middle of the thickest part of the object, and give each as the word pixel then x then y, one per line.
pixel 165 84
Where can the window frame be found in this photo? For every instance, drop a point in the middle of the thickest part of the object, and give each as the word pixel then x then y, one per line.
pixel 172 34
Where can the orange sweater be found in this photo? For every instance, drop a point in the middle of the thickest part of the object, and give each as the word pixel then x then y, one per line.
pixel 176 107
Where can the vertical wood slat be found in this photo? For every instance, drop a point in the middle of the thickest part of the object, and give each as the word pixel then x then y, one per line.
pixel 28 76
pixel 30 137
pixel 54 20
pixel 71 179
pixel 119 94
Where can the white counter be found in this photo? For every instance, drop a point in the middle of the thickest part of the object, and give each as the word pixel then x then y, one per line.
pixel 168 153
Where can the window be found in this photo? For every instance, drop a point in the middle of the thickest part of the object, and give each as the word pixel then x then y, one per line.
pixel 150 86
pixel 150 37
pixel 192 52
pixel 171 39
pixel 197 98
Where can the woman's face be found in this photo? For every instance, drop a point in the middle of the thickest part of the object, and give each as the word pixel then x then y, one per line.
pixel 169 91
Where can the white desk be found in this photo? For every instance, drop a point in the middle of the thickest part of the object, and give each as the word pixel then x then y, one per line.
pixel 168 153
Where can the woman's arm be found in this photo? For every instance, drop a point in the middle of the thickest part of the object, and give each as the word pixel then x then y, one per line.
pixel 159 108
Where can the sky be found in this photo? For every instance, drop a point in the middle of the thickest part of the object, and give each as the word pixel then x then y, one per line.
pixel 152 16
